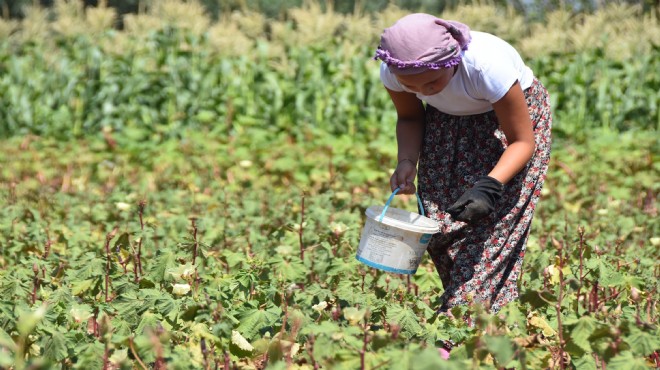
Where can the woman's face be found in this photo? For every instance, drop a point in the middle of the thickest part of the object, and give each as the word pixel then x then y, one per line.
pixel 428 82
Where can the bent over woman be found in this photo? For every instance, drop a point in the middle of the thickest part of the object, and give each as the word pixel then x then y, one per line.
pixel 473 125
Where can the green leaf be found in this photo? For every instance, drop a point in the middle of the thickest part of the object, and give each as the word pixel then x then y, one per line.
pixel 6 340
pixel 642 343
pixel 6 359
pixel 62 295
pixel 129 307
pixel 586 362
pixel 324 327
pixel 626 361
pixel 28 320
pixel 583 328
pixel 349 292
pixel 514 318
pixel 501 348
pixel 255 319
pixel 79 287
pixel 164 261
pixel 91 356
pixel 405 318
pixel 13 288
pixel 55 348
pixel 88 267
pixel 122 242
pixel 315 292
pixel 540 323
pixel 424 309
pixel 415 358
pixel 149 321
pixel 427 280
pixel 291 268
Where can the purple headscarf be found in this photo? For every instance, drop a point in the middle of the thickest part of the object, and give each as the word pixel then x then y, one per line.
pixel 418 42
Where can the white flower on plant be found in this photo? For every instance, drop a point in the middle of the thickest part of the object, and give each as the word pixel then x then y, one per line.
pixel 320 307
pixel 292 287
pixel 80 313
pixel 338 228
pixel 294 349
pixel 182 272
pixel 180 289
pixel 123 206
pixel 240 341
pixel 187 272
pixel 245 163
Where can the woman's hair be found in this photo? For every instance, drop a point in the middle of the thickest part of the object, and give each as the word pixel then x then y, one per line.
pixel 418 42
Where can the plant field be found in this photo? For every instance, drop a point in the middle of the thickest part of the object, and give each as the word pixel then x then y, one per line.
pixel 172 201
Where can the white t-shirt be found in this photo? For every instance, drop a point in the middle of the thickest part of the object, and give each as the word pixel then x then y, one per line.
pixel 488 69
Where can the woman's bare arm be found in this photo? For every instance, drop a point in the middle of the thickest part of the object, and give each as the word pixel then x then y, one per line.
pixel 513 115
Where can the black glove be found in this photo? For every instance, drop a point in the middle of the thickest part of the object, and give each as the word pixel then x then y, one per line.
pixel 478 202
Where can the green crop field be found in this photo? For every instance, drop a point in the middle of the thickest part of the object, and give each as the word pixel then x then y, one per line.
pixel 189 194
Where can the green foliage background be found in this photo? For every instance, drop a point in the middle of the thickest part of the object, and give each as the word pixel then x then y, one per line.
pixel 189 193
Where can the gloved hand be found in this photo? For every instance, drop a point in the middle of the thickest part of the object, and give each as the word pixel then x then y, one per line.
pixel 478 202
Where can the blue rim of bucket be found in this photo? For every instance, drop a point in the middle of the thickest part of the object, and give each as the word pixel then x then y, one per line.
pixel 389 200
pixel 385 268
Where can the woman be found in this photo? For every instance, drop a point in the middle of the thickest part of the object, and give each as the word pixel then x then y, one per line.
pixel 476 122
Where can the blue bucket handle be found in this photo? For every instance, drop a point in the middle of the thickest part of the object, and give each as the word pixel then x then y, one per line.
pixel 387 205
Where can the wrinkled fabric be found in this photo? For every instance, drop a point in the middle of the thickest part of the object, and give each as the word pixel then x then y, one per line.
pixel 481 262
pixel 418 42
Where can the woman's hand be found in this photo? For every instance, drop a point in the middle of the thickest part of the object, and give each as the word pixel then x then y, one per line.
pixel 409 133
pixel 404 177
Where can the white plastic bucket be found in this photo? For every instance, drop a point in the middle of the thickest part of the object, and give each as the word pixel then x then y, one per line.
pixel 394 240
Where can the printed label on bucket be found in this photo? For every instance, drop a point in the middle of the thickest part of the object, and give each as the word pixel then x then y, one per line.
pixel 391 249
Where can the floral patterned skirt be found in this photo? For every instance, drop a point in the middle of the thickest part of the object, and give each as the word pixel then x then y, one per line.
pixel 480 263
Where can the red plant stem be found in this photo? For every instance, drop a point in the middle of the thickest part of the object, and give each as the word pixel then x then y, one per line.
pixel 581 276
pixel 224 220
pixel 122 262
pixel 560 297
pixel 135 266
pixel 35 268
pixel 205 354
pixel 49 243
pixel 160 363
pixel 108 262
pixel 594 297
pixel 310 350
pixel 331 168
pixel 365 341
pixel 106 354
pixel 227 360
pixel 300 229
pixel 141 206
pixel 286 314
pixel 196 243
pixel 95 323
